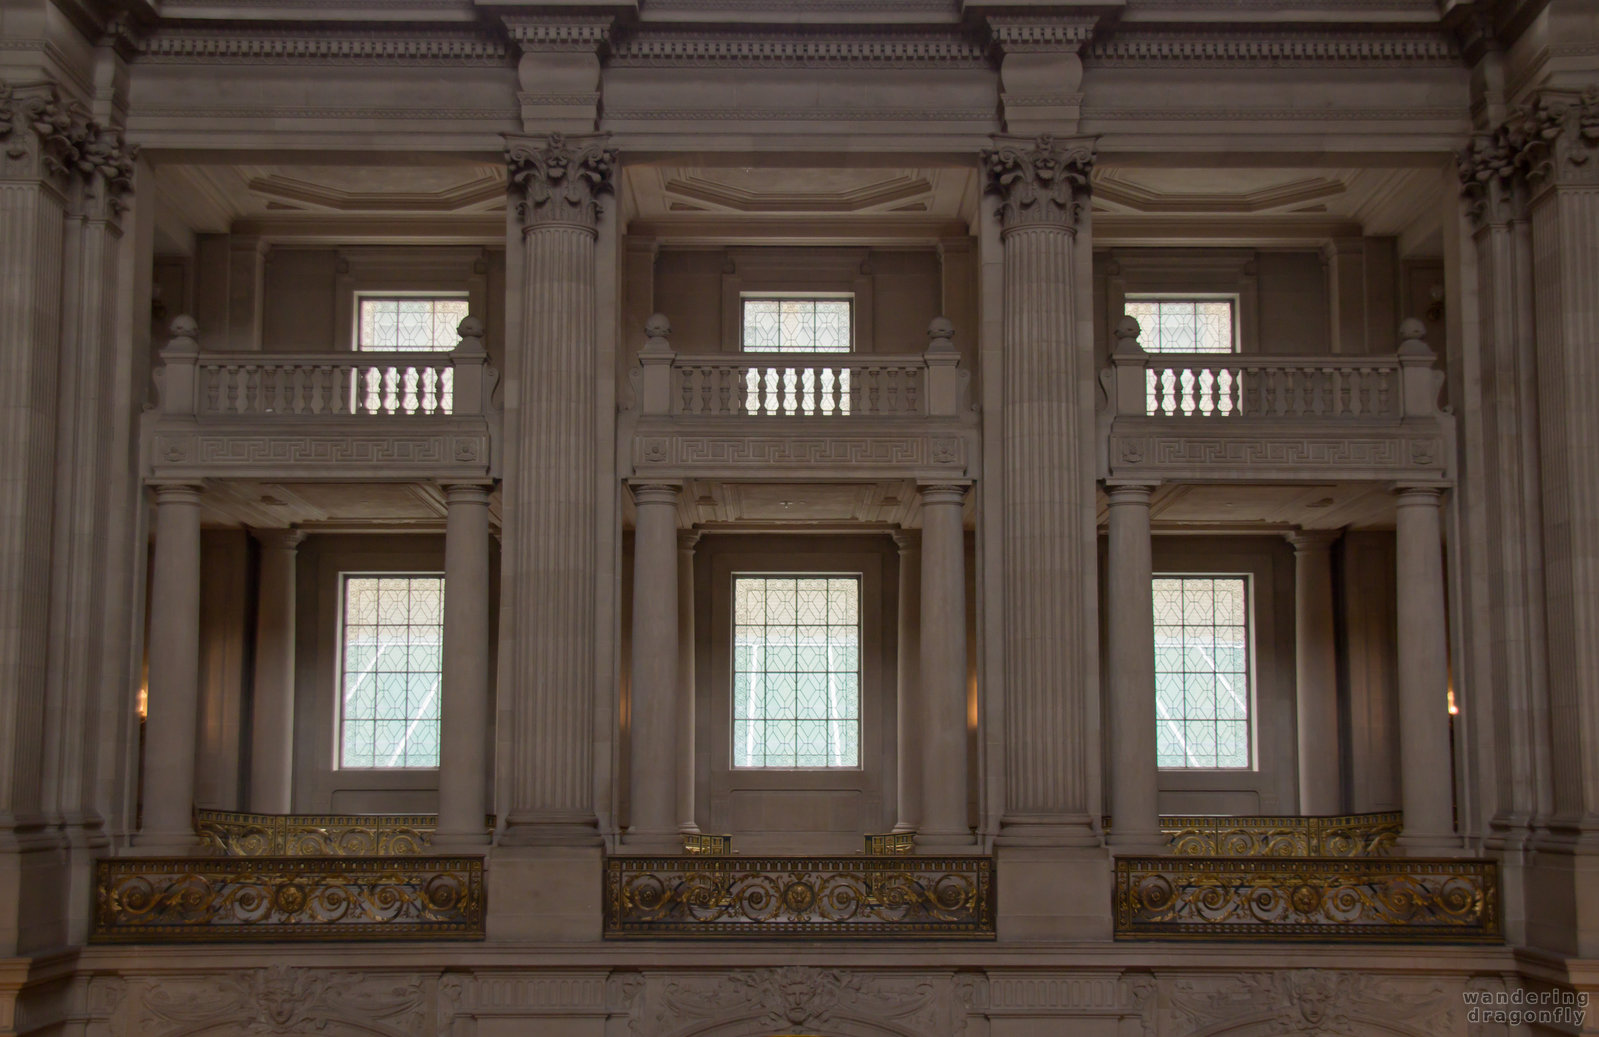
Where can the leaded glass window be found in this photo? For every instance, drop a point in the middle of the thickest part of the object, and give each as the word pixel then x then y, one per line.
pixel 780 325
pixel 410 322
pixel 1174 324
pixel 796 671
pixel 1202 662
pixel 393 635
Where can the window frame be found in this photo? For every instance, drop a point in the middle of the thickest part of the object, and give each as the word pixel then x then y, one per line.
pixel 745 298
pixel 860 667
pixel 1252 673
pixel 341 599
pixel 1234 299
pixel 362 296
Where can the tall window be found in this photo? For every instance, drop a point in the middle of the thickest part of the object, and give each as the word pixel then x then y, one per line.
pixel 409 322
pixel 795 325
pixel 1185 324
pixel 1202 665
pixel 796 671
pixel 393 636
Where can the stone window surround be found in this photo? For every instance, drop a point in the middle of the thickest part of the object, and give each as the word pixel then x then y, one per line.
pixel 797 271
pixel 1187 272
pixel 381 270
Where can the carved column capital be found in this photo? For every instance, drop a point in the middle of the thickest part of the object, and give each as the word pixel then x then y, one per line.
pixel 42 135
pixel 560 178
pixel 1488 179
pixel 1042 181
pixel 1559 135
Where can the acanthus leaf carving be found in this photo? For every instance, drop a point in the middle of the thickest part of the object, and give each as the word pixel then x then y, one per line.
pixel 1554 139
pixel 560 178
pixel 1040 182
pixel 66 145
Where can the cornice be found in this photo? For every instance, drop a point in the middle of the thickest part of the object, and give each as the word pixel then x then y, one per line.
pixel 1143 48
pixel 1018 34
pixel 585 35
pixel 774 49
pixel 431 48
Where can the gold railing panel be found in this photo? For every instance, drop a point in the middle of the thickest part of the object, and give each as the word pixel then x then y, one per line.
pixel 708 845
pixel 236 834
pixel 723 897
pixel 228 899
pixel 892 844
pixel 1396 899
pixel 1215 835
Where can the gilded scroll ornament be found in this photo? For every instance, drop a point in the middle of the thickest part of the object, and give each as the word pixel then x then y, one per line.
pixel 141 900
pixel 233 834
pixel 1354 835
pixel 716 898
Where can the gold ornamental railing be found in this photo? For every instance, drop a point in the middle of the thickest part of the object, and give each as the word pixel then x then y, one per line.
pixel 1352 835
pixel 233 834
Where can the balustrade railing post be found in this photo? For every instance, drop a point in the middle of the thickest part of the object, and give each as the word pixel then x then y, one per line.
pixel 1418 379
pixel 469 360
pixel 943 375
pixel 655 388
pixel 1131 364
pixel 180 358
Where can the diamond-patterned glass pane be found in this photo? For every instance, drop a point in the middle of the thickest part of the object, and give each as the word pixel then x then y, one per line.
pixel 1170 324
pixel 411 323
pixel 1202 671
pixel 392 666
pixel 797 325
pixel 796 671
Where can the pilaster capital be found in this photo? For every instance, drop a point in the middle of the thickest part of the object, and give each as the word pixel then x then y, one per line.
pixel 1313 541
pixel 655 493
pixel 688 538
pixel 467 493
pixel 1136 494
pixel 279 539
pixel 1418 495
pixel 1041 181
pixel 907 540
pixel 560 178
pixel 942 493
pixel 177 493
pixel 1488 180
pixel 54 139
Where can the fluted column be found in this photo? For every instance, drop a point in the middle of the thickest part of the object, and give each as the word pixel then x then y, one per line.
pixel 908 665
pixel 1134 769
pixel 272 702
pixel 463 790
pixel 686 539
pixel 1316 674
pixel 549 496
pixel 943 671
pixel 1048 603
pixel 655 655
pixel 173 705
pixel 1426 792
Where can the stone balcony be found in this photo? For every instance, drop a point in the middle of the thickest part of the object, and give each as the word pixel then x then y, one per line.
pixel 1230 418
pixel 799 415
pixel 340 416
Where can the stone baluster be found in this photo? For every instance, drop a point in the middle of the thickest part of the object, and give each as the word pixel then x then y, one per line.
pixel 174 688
pixel 654 826
pixel 1048 605
pixel 1129 590
pixel 1316 673
pixel 908 703
pixel 942 672
pixel 550 566
pixel 272 701
pixel 1426 792
pixel 463 781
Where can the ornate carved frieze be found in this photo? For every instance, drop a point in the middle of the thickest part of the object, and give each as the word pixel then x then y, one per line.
pixel 262 452
pixel 1042 182
pixel 776 50
pixel 560 179
pixel 1356 835
pixel 1273 50
pixel 721 897
pixel 1307 898
pixel 42 135
pixel 660 453
pixel 1249 454
pixel 142 900
pixel 1314 1001
pixel 282 999
pixel 794 998
pixel 233 834
pixel 437 47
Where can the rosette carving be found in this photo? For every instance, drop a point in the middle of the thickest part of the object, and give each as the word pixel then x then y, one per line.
pixel 1040 182
pixel 560 178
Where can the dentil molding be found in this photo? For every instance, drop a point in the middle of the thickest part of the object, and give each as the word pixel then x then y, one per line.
pixel 437 47
pixel 1274 49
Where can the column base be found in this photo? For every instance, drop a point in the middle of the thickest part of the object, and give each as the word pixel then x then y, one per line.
pixel 1048 830
pixel 551 830
pixel 903 828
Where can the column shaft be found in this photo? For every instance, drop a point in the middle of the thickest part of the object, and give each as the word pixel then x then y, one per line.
pixel 908 711
pixel 1425 789
pixel 463 790
pixel 1316 675
pixel 1135 820
pixel 685 681
pixel 272 707
pixel 174 689
pixel 942 675
pixel 655 656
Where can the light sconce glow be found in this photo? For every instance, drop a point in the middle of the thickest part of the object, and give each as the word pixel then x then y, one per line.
pixel 144 701
pixel 1454 710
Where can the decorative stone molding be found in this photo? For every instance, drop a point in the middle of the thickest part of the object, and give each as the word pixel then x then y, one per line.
pixel 763 897
pixel 438 47
pixel 1016 34
pixel 1307 898
pixel 795 998
pixel 282 999
pixel 1041 70
pixel 553 35
pixel 280 898
pixel 559 72
pixel 1272 50
pixel 1140 448
pixel 867 454
pixel 1314 1001
pixel 1357 835
pixel 560 178
pixel 259 835
pixel 1042 182
pixel 779 50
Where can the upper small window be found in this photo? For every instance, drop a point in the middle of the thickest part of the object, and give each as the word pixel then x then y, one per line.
pixel 409 322
pixel 797 325
pixel 1185 324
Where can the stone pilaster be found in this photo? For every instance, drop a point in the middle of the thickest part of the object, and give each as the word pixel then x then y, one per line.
pixel 1316 674
pixel 652 756
pixel 1048 490
pixel 1426 793
pixel 683 717
pixel 908 665
pixel 549 492
pixel 1131 713
pixel 272 698
pixel 463 791
pixel 942 672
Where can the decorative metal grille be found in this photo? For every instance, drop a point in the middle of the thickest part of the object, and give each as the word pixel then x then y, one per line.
pixel 797 325
pixel 393 660
pixel 411 323
pixel 1171 324
pixel 796 671
pixel 1202 694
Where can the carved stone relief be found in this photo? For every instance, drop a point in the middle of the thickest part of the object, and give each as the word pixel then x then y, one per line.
pixel 1313 1001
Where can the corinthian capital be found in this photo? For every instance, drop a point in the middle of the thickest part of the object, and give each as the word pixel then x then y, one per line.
pixel 1559 137
pixel 1041 182
pixel 1488 179
pixel 45 136
pixel 560 178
